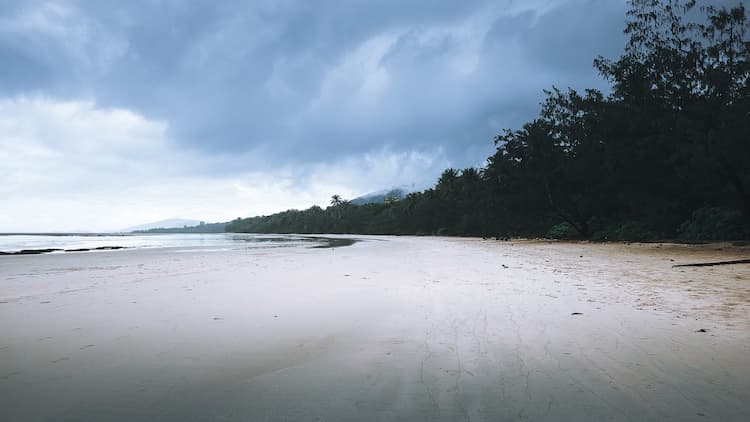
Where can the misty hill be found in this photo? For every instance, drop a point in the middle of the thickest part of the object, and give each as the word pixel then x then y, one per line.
pixel 201 227
pixel 380 196
pixel 164 224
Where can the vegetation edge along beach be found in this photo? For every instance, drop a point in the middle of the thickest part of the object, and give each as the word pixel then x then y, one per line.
pixel 662 155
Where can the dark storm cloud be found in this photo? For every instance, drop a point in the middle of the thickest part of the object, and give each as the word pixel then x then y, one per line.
pixel 295 81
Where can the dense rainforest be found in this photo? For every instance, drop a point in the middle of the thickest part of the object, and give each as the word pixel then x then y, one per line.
pixel 664 154
pixel 201 228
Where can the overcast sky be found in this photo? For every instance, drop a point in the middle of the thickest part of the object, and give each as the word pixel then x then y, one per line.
pixel 118 113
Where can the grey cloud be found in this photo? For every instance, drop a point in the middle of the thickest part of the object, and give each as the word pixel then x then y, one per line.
pixel 255 79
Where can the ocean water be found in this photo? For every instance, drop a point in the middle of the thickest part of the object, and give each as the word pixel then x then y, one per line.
pixel 76 243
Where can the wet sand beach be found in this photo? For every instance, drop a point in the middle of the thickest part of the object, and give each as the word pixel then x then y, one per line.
pixel 389 328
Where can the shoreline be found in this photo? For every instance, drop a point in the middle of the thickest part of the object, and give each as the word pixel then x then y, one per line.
pixel 55 246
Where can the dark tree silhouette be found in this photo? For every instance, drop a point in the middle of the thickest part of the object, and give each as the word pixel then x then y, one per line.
pixel 666 154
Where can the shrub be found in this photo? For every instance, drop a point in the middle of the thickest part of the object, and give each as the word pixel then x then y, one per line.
pixel 562 231
pixel 712 223
pixel 634 231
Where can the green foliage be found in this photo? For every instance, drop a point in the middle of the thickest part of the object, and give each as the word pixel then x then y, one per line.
pixel 673 136
pixel 201 228
pixel 391 196
pixel 562 231
pixel 336 200
pixel 456 206
pixel 713 223
pixel 633 231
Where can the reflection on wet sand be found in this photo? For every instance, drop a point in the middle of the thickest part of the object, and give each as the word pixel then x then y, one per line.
pixel 402 329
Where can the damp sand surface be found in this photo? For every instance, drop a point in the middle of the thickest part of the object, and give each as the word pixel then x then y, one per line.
pixel 389 328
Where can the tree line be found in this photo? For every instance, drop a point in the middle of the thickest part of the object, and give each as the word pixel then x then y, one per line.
pixel 200 228
pixel 664 154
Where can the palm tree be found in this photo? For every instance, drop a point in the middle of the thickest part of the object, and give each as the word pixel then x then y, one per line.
pixel 336 200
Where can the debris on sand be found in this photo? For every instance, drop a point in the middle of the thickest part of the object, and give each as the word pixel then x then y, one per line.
pixel 711 264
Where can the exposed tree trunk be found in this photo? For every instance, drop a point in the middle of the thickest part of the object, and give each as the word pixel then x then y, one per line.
pixel 579 224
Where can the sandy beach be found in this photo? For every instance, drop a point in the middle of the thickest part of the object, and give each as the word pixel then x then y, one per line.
pixel 390 328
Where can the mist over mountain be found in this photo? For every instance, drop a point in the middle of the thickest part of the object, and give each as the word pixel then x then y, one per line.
pixel 378 197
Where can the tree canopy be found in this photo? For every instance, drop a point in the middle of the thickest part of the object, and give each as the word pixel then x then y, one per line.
pixel 664 154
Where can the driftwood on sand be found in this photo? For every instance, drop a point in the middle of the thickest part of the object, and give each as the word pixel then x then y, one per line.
pixel 711 264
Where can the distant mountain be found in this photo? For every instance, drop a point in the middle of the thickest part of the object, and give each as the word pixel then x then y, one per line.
pixel 380 196
pixel 200 228
pixel 164 224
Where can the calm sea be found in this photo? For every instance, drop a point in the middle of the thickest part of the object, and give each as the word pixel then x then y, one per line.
pixel 62 243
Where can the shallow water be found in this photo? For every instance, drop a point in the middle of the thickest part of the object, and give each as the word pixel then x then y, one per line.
pixel 56 243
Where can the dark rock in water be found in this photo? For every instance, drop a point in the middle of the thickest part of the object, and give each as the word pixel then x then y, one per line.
pixel 48 250
pixel 702 330
pixel 330 242
pixel 576 313
pixel 100 248
pixel 30 252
